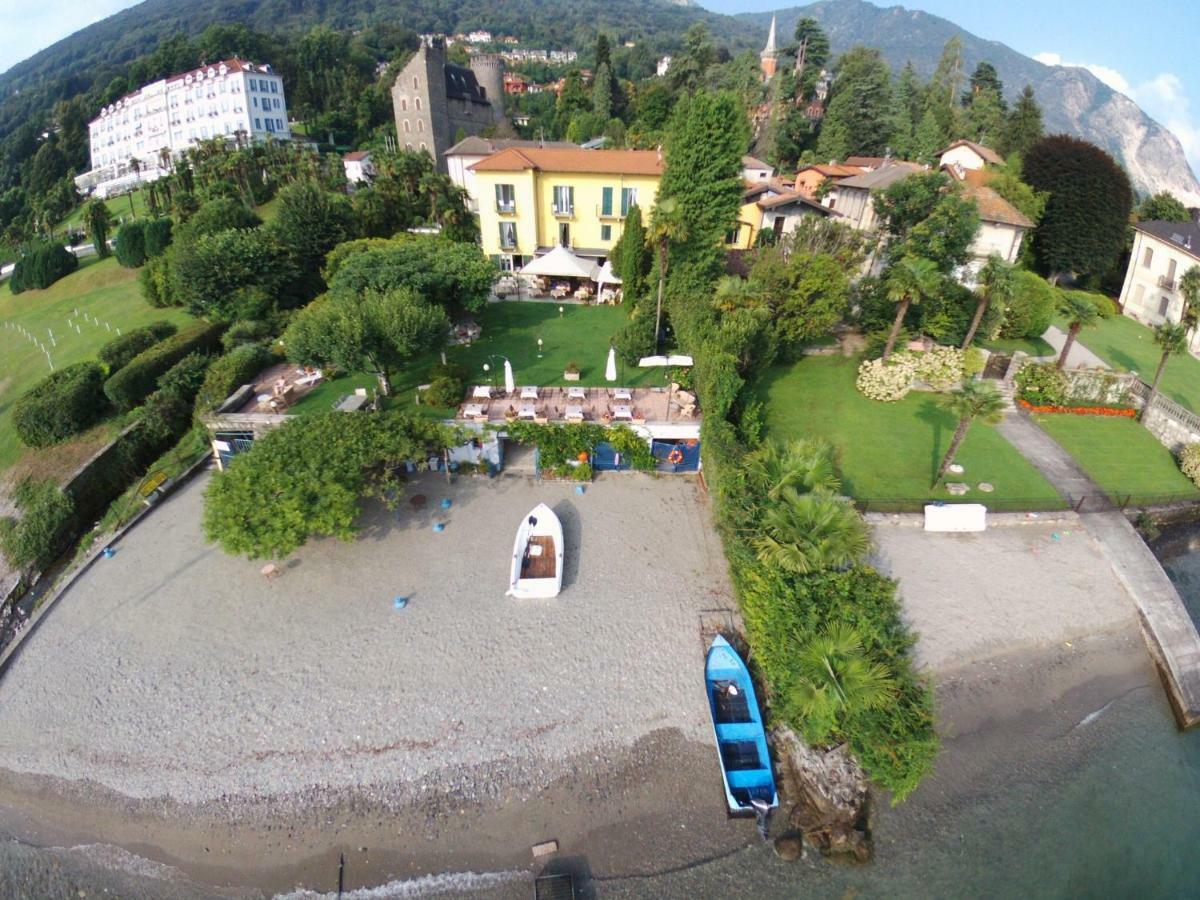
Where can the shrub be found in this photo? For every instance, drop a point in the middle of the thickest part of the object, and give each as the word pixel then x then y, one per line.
pixel 62 404
pixel 44 528
pixel 229 372
pixel 130 245
pixel 120 350
pixel 183 380
pixel 41 266
pixel 133 383
pixel 246 331
pixel 941 368
pixel 444 391
pixel 156 235
pixel 155 279
pixel 1189 462
pixel 974 362
pixel 1031 309
pixel 636 337
pixel 887 382
pixel 1042 384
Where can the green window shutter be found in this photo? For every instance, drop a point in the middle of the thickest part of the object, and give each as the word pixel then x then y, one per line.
pixel 606 202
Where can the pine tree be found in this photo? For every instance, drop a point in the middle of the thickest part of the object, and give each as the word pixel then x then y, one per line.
pixel 985 120
pixel 941 94
pixel 906 112
pixel 929 138
pixel 1024 126
pixel 812 52
pixel 602 93
pixel 631 256
pixel 984 78
pixel 857 117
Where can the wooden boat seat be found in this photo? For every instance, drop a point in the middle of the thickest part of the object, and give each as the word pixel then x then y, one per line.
pixel 542 563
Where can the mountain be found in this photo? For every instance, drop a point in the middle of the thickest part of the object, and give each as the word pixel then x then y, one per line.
pixel 1073 100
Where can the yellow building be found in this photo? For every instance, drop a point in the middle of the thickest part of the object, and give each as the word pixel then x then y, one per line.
pixel 532 199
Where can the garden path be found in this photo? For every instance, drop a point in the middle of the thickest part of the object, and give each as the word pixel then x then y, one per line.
pixel 1169 630
pixel 1079 356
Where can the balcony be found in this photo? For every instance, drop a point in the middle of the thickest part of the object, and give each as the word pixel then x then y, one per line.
pixel 1167 284
pixel 507 209
pixel 563 212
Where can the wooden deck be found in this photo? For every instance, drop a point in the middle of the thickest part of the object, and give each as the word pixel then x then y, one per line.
pixel 541 565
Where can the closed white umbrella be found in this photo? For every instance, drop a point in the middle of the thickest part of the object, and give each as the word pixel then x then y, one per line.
pixel 647 362
pixel 510 383
pixel 610 370
pixel 678 359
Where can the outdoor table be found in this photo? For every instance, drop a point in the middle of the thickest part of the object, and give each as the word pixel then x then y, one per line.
pixel 527 412
pixel 482 392
pixel 353 403
pixel 574 414
pixel 529 393
pixel 264 398
pixel 623 394
pixel 471 410
pixel 622 412
pixel 576 393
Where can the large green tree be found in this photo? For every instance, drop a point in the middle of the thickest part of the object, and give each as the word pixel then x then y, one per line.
pixel 972 401
pixel 1084 226
pixel 372 331
pixel 909 281
pixel 1172 339
pixel 996 284
pixel 859 104
pixel 98 220
pixel 1023 128
pixel 1163 207
pixel 631 256
pixel 310 222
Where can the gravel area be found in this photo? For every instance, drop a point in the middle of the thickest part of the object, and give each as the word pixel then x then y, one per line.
pixel 1010 588
pixel 172 670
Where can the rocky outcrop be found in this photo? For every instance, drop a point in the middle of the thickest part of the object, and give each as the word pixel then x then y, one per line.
pixel 827 798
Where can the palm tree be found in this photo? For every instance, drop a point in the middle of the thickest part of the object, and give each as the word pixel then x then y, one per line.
pixel 98 220
pixel 908 282
pixel 1172 337
pixel 997 283
pixel 836 678
pixel 973 400
pixel 803 466
pixel 1189 286
pixel 804 533
pixel 666 225
pixel 1081 311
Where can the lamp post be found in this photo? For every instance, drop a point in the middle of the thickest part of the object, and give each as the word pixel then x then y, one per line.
pixel 539 348
pixel 486 372
pixel 560 312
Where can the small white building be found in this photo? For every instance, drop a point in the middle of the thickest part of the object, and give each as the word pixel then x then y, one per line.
pixel 755 170
pixel 1162 252
pixel 969 155
pixel 664 66
pixel 479 37
pixel 358 166
pixel 137 138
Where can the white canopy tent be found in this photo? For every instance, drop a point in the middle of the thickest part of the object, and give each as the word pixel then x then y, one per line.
pixel 561 263
pixel 610 368
pixel 675 359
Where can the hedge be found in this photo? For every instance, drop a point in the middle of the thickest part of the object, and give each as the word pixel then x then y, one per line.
pixel 120 350
pixel 41 266
pixel 133 383
pixel 156 236
pixel 44 529
pixel 130 245
pixel 62 404
pixel 229 372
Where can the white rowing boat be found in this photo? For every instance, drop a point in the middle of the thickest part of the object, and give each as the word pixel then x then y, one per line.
pixel 537 563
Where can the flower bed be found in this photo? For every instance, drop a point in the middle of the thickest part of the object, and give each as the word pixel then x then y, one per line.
pixel 939 369
pixel 1120 411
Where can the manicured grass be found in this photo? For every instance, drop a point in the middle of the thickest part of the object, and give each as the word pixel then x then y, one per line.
pixel 1128 346
pixel 889 452
pixel 325 395
pixel 118 206
pixel 1032 346
pixel 103 290
pixel 1121 456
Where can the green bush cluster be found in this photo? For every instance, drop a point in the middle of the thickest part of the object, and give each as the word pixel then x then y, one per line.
pixel 229 372
pixel 1189 462
pixel 142 240
pixel 1032 307
pixel 44 528
pixel 120 350
pixel 447 385
pixel 139 378
pixel 62 404
pixel 1042 384
pixel 41 266
pixel 560 447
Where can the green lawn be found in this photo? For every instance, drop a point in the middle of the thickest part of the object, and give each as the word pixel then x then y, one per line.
pixel 1032 346
pixel 101 288
pixel 1128 346
pixel 889 452
pixel 118 206
pixel 1121 456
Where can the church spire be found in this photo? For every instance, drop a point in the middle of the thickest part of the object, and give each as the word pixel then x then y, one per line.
pixel 769 58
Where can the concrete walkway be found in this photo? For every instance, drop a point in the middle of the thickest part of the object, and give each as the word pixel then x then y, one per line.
pixel 1079 356
pixel 1169 631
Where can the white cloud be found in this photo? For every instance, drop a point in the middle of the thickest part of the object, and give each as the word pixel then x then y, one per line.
pixel 1163 97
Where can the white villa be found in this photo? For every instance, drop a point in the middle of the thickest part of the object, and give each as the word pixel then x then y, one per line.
pixel 1162 252
pixel 136 138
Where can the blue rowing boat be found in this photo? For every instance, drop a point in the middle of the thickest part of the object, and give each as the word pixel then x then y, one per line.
pixel 738 727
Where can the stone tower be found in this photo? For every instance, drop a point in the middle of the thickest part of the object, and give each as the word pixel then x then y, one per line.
pixel 769 58
pixel 489 72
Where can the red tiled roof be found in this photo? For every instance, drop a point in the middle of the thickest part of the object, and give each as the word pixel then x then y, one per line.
pixel 545 159
pixel 356 155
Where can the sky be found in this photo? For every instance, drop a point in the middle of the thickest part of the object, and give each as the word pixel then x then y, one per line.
pixel 1145 49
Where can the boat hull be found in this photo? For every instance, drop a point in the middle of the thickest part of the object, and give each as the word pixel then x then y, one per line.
pixel 537 560
pixel 738 730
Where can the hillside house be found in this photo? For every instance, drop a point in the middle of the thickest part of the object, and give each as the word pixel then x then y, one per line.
pixel 1162 252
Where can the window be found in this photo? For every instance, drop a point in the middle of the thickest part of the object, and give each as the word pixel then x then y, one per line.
pixel 508 234
pixel 564 200
pixel 424 146
pixel 506 263
pixel 253 84
pixel 1148 257
pixel 415 83
pixel 1171 270
pixel 279 124
pixel 406 126
pixel 628 199
pixel 258 124
pixel 254 102
pixel 420 124
pixel 274 87
pixel 403 104
pixel 564 234
pixel 1164 304
pixel 606 232
pixel 606 199
pixel 732 236
pixel 408 146
pixel 1139 293
pixel 417 101
pixel 506 198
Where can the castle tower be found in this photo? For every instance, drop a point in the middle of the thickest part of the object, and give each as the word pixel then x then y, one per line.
pixel 769 58
pixel 489 72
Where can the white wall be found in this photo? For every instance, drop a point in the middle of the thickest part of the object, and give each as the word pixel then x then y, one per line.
pixel 1142 296
pixel 963 156
pixel 994 237
pixel 459 168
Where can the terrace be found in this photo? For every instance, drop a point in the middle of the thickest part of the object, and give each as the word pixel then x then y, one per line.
pixel 604 405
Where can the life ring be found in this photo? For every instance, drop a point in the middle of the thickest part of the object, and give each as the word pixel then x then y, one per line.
pixel 675 457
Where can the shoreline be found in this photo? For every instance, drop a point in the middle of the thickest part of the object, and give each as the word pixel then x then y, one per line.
pixel 617 816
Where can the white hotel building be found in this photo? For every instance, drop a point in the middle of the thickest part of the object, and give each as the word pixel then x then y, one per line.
pixel 225 99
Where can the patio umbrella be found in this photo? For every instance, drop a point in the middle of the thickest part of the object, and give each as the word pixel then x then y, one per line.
pixel 510 383
pixel 561 263
pixel 678 359
pixel 606 275
pixel 647 362
pixel 610 370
